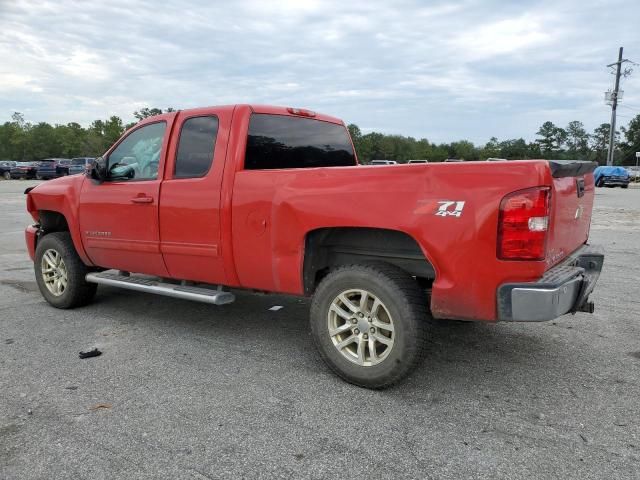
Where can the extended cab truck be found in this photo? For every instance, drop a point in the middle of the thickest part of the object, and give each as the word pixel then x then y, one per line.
pixel 192 203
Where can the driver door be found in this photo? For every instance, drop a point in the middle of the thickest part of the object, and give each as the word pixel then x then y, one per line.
pixel 119 217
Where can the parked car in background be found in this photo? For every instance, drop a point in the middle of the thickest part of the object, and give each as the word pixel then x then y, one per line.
pixel 634 173
pixel 383 162
pixel 24 170
pixel 611 177
pixel 418 161
pixel 53 168
pixel 493 159
pixel 453 160
pixel 5 169
pixel 79 165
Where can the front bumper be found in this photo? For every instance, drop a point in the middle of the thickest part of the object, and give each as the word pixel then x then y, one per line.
pixel 31 236
pixel 563 289
pixel 615 182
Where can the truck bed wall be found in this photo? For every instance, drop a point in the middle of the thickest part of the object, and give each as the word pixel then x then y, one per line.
pixel 274 210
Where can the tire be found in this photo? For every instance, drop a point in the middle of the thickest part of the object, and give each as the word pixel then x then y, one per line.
pixel 403 306
pixel 624 186
pixel 77 291
pixel 600 182
pixel 7 175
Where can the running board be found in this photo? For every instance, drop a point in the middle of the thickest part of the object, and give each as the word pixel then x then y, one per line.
pixel 149 285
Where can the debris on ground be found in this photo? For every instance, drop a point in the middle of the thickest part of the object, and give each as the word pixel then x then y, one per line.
pixel 275 308
pixel 90 353
pixel 100 406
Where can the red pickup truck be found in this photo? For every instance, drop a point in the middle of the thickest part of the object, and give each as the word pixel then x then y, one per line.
pixel 194 203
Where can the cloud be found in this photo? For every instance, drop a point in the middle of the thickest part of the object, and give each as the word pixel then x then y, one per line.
pixel 442 70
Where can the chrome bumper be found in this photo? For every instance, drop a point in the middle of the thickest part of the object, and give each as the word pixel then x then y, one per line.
pixel 563 289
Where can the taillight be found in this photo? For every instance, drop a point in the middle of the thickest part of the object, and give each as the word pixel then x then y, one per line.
pixel 523 224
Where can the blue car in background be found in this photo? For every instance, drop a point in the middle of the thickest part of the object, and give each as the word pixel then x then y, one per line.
pixel 80 165
pixel 611 177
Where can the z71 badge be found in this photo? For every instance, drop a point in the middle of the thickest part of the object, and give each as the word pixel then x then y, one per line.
pixel 445 209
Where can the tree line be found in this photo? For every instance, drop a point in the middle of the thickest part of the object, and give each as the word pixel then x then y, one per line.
pixel 23 141
pixel 552 142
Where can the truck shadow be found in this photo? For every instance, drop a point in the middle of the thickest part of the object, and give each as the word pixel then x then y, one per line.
pixel 458 355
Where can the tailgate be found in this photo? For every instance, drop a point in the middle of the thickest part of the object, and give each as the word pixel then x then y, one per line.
pixel 571 206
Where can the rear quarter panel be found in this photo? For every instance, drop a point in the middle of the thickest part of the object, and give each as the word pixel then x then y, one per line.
pixel 274 210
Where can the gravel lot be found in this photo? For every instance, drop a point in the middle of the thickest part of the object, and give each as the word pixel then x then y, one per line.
pixel 186 390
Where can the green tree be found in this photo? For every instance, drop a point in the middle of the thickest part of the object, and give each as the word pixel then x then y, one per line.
pixel 149 112
pixel 552 140
pixel 491 149
pixel 600 142
pixel 515 149
pixel 577 139
pixel 146 112
pixel 632 144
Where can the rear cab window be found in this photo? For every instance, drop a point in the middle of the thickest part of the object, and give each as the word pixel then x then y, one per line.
pixel 281 141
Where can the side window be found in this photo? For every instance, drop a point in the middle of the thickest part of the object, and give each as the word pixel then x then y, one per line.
pixel 195 147
pixel 280 141
pixel 138 156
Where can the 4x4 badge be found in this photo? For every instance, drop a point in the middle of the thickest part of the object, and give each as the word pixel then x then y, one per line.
pixel 445 210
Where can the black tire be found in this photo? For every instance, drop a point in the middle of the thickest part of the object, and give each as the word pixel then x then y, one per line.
pixel 6 175
pixel 600 182
pixel 78 292
pixel 406 304
pixel 624 186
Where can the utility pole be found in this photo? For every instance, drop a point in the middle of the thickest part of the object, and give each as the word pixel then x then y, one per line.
pixel 614 106
pixel 613 97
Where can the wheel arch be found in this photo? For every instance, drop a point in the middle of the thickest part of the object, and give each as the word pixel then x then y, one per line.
pixel 325 248
pixel 51 221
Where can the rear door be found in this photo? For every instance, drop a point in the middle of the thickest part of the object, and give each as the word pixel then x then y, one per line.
pixel 571 206
pixel 190 237
pixel 119 217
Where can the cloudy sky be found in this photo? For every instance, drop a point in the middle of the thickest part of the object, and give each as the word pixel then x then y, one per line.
pixel 441 70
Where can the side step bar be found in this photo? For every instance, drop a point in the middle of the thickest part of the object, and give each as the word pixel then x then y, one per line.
pixel 149 285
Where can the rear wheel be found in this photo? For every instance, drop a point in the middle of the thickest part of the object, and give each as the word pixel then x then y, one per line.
pixel 624 186
pixel 7 175
pixel 369 323
pixel 60 273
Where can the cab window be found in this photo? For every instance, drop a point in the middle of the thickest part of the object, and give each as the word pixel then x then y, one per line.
pixel 195 147
pixel 280 141
pixel 138 155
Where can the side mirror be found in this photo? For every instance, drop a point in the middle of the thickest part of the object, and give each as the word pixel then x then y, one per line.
pixel 98 170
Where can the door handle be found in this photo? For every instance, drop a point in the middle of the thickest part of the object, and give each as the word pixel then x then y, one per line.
pixel 142 199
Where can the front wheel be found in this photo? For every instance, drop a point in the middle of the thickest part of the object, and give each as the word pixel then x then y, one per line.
pixel 60 273
pixel 7 175
pixel 369 323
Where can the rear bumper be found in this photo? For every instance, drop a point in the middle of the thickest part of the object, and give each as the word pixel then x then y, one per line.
pixel 563 289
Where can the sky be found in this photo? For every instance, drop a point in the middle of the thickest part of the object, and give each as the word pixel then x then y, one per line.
pixel 444 71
